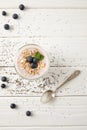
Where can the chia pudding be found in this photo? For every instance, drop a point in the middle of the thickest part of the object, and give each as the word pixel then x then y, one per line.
pixel 31 61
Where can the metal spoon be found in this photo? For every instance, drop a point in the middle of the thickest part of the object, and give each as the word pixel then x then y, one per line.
pixel 49 95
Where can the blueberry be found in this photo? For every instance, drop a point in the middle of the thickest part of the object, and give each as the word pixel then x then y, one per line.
pixel 21 7
pixel 3 86
pixel 30 59
pixel 13 106
pixel 28 113
pixel 6 26
pixel 35 60
pixel 4 79
pixel 33 65
pixel 4 13
pixel 15 16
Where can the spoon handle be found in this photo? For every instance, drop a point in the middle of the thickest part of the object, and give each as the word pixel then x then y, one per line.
pixel 72 76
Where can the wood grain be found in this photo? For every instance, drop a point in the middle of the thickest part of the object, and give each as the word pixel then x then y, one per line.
pixel 44 3
pixel 62 112
pixel 44 22
pixel 62 51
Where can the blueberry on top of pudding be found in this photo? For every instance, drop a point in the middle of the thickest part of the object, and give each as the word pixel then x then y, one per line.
pixel 29 59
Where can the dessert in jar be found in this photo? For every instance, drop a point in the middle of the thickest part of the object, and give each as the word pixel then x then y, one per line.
pixel 31 61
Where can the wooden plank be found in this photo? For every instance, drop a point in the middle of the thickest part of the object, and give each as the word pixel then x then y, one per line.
pixel 61 51
pixel 44 22
pixel 18 86
pixel 62 112
pixel 46 128
pixel 44 3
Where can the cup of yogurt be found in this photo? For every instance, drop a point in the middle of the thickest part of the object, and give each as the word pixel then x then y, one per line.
pixel 31 61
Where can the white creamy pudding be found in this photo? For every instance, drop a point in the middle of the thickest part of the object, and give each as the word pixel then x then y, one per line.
pixel 31 61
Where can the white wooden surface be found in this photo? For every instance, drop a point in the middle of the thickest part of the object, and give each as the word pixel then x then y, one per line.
pixel 60 27
pixel 66 111
pixel 46 22
pixel 21 87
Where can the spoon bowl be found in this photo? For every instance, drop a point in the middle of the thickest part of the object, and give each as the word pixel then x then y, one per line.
pixel 47 96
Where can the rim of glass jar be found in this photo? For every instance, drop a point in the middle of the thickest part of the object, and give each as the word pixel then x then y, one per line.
pixel 40 75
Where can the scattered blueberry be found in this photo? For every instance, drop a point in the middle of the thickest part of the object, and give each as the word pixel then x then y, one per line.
pixel 4 79
pixel 28 113
pixel 30 59
pixel 4 13
pixel 35 60
pixel 6 26
pixel 3 86
pixel 33 65
pixel 15 16
pixel 13 106
pixel 21 7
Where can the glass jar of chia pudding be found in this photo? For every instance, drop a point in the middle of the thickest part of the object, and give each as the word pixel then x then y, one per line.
pixel 31 61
